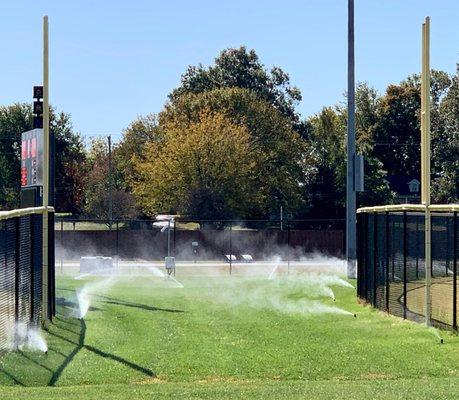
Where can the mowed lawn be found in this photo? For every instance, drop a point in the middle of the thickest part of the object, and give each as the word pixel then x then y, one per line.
pixel 229 338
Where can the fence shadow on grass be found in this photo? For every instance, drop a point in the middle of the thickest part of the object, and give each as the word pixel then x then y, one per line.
pixel 66 339
pixel 109 300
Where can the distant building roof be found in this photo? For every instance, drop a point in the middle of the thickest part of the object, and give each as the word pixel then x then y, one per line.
pixel 405 185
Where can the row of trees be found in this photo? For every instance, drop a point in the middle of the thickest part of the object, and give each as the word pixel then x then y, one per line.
pixel 231 144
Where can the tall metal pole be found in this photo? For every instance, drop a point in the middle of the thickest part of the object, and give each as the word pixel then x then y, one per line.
pixel 425 161
pixel 110 182
pixel 45 313
pixel 281 218
pixel 351 248
pixel 169 238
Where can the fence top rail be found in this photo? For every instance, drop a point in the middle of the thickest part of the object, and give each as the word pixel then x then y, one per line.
pixel 444 207
pixel 178 220
pixel 24 211
pixel 410 207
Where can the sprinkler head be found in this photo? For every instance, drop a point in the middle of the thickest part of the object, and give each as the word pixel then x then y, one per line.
pixel 355 315
pixel 46 352
pixel 441 341
pixel 334 299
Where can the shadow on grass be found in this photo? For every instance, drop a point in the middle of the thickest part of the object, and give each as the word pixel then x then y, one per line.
pixel 66 339
pixel 108 300
pixel 111 300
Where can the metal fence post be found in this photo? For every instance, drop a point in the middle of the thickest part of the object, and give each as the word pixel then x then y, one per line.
pixel 387 261
pixel 359 255
pixel 375 257
pixel 17 251
pixel 417 248
pixel 117 242
pixel 288 247
pixel 393 258
pixel 367 244
pixel 455 270
pixel 448 245
pixel 62 246
pixel 174 238
pixel 231 247
pixel 32 259
pixel 405 249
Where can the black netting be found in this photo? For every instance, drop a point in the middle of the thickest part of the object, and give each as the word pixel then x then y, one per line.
pixel 24 270
pixel 455 269
pixel 369 259
pixel 415 267
pixel 21 248
pixel 442 269
pixel 361 255
pixel 380 255
pixel 391 264
pixel 396 265
pixel 51 267
pixel 37 257
pixel 7 280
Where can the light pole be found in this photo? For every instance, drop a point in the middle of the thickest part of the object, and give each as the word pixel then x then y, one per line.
pixel 351 248
pixel 110 183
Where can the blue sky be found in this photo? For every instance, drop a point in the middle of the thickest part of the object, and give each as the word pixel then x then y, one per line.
pixel 112 61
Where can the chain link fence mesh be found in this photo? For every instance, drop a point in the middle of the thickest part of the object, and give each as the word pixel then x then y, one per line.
pixel 21 263
pixel 391 264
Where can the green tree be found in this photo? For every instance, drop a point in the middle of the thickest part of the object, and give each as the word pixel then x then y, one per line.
pixel 14 120
pixel 70 165
pixel 326 136
pixel 397 130
pixel 282 166
pixel 397 133
pixel 200 168
pixel 70 157
pixel 135 136
pixel 445 146
pixel 97 189
pixel 327 186
pixel 242 68
pixel 376 186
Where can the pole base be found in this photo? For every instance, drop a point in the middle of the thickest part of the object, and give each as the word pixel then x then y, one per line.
pixel 351 266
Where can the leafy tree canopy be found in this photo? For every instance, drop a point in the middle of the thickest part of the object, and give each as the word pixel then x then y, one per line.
pixel 70 157
pixel 242 68
pixel 200 168
pixel 282 165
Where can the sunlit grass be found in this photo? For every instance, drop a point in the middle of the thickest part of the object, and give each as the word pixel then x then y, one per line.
pixel 220 337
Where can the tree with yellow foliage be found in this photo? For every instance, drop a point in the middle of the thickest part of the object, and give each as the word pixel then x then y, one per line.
pixel 200 168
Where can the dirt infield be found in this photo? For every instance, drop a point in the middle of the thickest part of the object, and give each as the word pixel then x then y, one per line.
pixel 442 298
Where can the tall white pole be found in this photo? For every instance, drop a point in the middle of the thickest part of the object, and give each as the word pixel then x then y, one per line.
pixel 45 314
pixel 351 240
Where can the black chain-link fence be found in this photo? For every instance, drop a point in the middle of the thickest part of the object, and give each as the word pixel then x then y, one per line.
pixel 197 240
pixel 21 266
pixel 391 266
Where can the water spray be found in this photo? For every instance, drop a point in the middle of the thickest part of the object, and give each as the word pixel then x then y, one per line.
pixel 436 333
pixel 273 272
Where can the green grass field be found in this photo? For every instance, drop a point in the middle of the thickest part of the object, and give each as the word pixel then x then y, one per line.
pixel 229 337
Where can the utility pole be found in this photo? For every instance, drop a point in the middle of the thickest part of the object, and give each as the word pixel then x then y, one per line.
pixel 351 240
pixel 110 183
